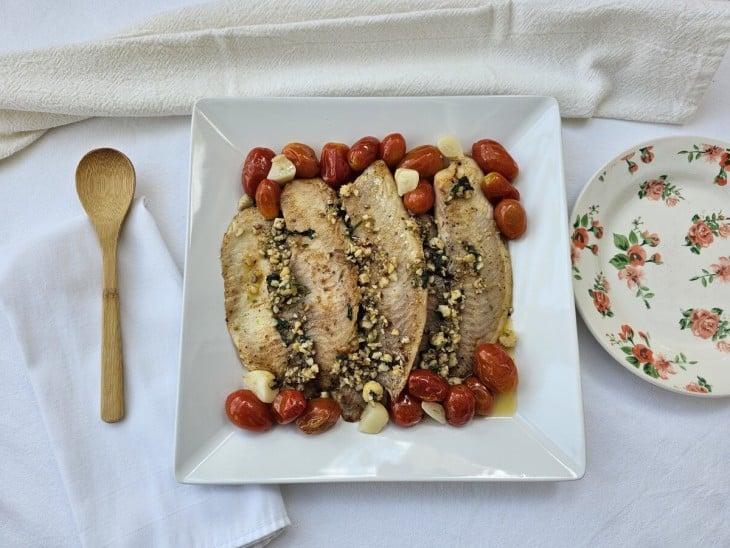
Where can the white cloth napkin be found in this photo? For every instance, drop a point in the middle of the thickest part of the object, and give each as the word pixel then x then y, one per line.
pixel 648 61
pixel 119 477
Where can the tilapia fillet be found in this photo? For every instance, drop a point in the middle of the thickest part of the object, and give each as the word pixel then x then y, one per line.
pixel 379 220
pixel 317 241
pixel 249 318
pixel 479 258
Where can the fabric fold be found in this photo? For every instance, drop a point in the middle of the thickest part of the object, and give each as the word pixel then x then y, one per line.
pixel 650 61
pixel 119 477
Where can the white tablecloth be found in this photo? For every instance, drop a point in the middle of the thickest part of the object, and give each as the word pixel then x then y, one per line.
pixel 658 464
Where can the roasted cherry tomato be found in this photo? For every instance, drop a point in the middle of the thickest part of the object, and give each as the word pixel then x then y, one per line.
pixel 495 368
pixel 459 405
pixel 320 415
pixel 363 153
pixel 427 385
pixel 255 169
pixel 268 197
pixel 288 405
pixel 246 411
pixel 304 159
pixel 425 159
pixel 490 155
pixel 496 187
pixel 420 200
pixel 511 218
pixel 333 165
pixel 392 149
pixel 405 410
pixel 482 395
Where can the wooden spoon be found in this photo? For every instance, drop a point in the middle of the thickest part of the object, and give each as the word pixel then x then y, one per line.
pixel 105 183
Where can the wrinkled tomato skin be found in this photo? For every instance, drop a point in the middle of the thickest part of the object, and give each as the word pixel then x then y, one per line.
pixel 490 155
pixel 392 149
pixel 427 385
pixel 459 405
pixel 495 369
pixel 256 167
pixel 427 160
pixel 483 397
pixel 405 410
pixel 288 405
pixel 320 415
pixel 496 188
pixel 333 164
pixel 363 153
pixel 246 411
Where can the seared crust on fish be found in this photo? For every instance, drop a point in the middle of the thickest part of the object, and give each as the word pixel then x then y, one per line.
pixel 249 317
pixel 479 258
pixel 380 221
pixel 317 241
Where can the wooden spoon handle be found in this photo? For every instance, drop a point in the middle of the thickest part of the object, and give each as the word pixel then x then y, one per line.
pixel 112 371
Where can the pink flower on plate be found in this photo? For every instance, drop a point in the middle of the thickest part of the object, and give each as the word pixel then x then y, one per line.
pixel 664 367
pixel 580 238
pixel 704 323
pixel 722 269
pixel 601 301
pixel 694 387
pixel 626 332
pixel 713 153
pixel 574 254
pixel 647 154
pixel 700 234
pixel 632 275
pixel 637 255
pixel 654 189
pixel 723 231
pixel 650 238
pixel 643 353
pixel 723 346
pixel 671 201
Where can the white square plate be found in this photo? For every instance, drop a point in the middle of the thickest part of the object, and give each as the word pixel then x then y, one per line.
pixel 542 440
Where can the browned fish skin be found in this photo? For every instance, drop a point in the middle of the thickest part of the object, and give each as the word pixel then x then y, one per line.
pixel 479 258
pixel 317 240
pixel 392 281
pixel 248 305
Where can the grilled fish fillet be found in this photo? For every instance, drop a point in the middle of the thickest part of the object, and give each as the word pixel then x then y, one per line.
pixel 248 311
pixel 379 220
pixel 470 235
pixel 317 242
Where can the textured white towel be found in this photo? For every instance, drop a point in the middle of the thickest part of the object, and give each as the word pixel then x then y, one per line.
pixel 119 477
pixel 649 60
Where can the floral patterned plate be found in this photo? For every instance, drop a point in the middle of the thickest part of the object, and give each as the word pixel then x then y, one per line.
pixel 650 248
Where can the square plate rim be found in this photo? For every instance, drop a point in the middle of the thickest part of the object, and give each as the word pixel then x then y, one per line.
pixel 575 469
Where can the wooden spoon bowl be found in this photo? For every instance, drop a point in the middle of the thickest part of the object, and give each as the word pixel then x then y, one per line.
pixel 105 183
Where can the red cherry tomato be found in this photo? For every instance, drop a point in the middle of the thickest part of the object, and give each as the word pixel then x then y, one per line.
pixel 427 385
pixel 459 405
pixel 255 168
pixel 405 410
pixel 421 199
pixel 246 411
pixel 511 218
pixel 268 199
pixel 320 415
pixel 495 368
pixel 482 395
pixel 288 405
